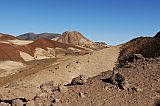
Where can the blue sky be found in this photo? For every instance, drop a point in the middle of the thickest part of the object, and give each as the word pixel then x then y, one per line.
pixel 112 21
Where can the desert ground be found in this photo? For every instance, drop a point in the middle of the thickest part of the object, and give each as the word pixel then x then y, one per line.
pixel 123 75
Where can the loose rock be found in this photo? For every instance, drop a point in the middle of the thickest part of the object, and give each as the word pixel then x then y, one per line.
pixel 80 80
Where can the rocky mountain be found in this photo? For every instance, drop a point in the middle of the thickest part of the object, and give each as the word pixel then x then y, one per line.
pixel 75 38
pixel 33 36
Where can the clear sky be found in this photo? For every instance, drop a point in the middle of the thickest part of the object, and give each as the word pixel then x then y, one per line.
pixel 112 21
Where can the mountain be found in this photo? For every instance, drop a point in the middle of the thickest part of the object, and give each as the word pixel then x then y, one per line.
pixel 157 35
pixel 33 36
pixel 75 38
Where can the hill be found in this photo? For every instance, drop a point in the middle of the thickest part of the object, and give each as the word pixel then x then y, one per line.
pixel 4 37
pixel 13 49
pixel 75 38
pixel 33 36
pixel 149 47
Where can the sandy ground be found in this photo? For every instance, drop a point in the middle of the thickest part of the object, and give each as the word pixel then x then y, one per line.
pixel 26 56
pixel 61 72
pixel 9 67
pixel 20 42
pixel 44 54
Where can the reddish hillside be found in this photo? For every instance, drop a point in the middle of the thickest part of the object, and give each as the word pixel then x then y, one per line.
pixel 9 52
pixel 43 43
pixel 12 51
pixel 4 37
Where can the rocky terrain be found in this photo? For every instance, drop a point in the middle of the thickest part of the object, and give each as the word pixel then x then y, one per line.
pixel 124 75
pixel 141 87
pixel 149 47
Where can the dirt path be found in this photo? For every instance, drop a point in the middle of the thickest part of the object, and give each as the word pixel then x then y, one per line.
pixel 32 68
pixel 27 82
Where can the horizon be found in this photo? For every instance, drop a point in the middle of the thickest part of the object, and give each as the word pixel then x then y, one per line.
pixel 110 21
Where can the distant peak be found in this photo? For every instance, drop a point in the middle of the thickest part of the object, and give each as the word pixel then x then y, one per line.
pixel 30 33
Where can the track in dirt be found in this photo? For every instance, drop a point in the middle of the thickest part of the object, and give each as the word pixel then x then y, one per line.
pixel 32 68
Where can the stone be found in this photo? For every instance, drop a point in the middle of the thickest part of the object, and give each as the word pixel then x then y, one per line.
pixel 81 95
pixel 80 80
pixel 116 79
pixel 134 57
pixel 17 102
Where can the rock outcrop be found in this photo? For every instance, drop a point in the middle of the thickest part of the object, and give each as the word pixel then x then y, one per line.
pixel 75 38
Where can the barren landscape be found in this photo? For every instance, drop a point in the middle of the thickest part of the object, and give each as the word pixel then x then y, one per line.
pixel 78 72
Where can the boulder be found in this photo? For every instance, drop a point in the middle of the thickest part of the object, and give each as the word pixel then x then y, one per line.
pixel 116 79
pixel 134 57
pixel 80 80
pixel 17 102
pixel 81 95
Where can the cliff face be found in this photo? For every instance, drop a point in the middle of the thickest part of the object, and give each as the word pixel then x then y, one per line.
pixel 75 38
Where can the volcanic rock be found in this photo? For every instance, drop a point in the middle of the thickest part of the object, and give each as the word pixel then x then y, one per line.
pixel 80 80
